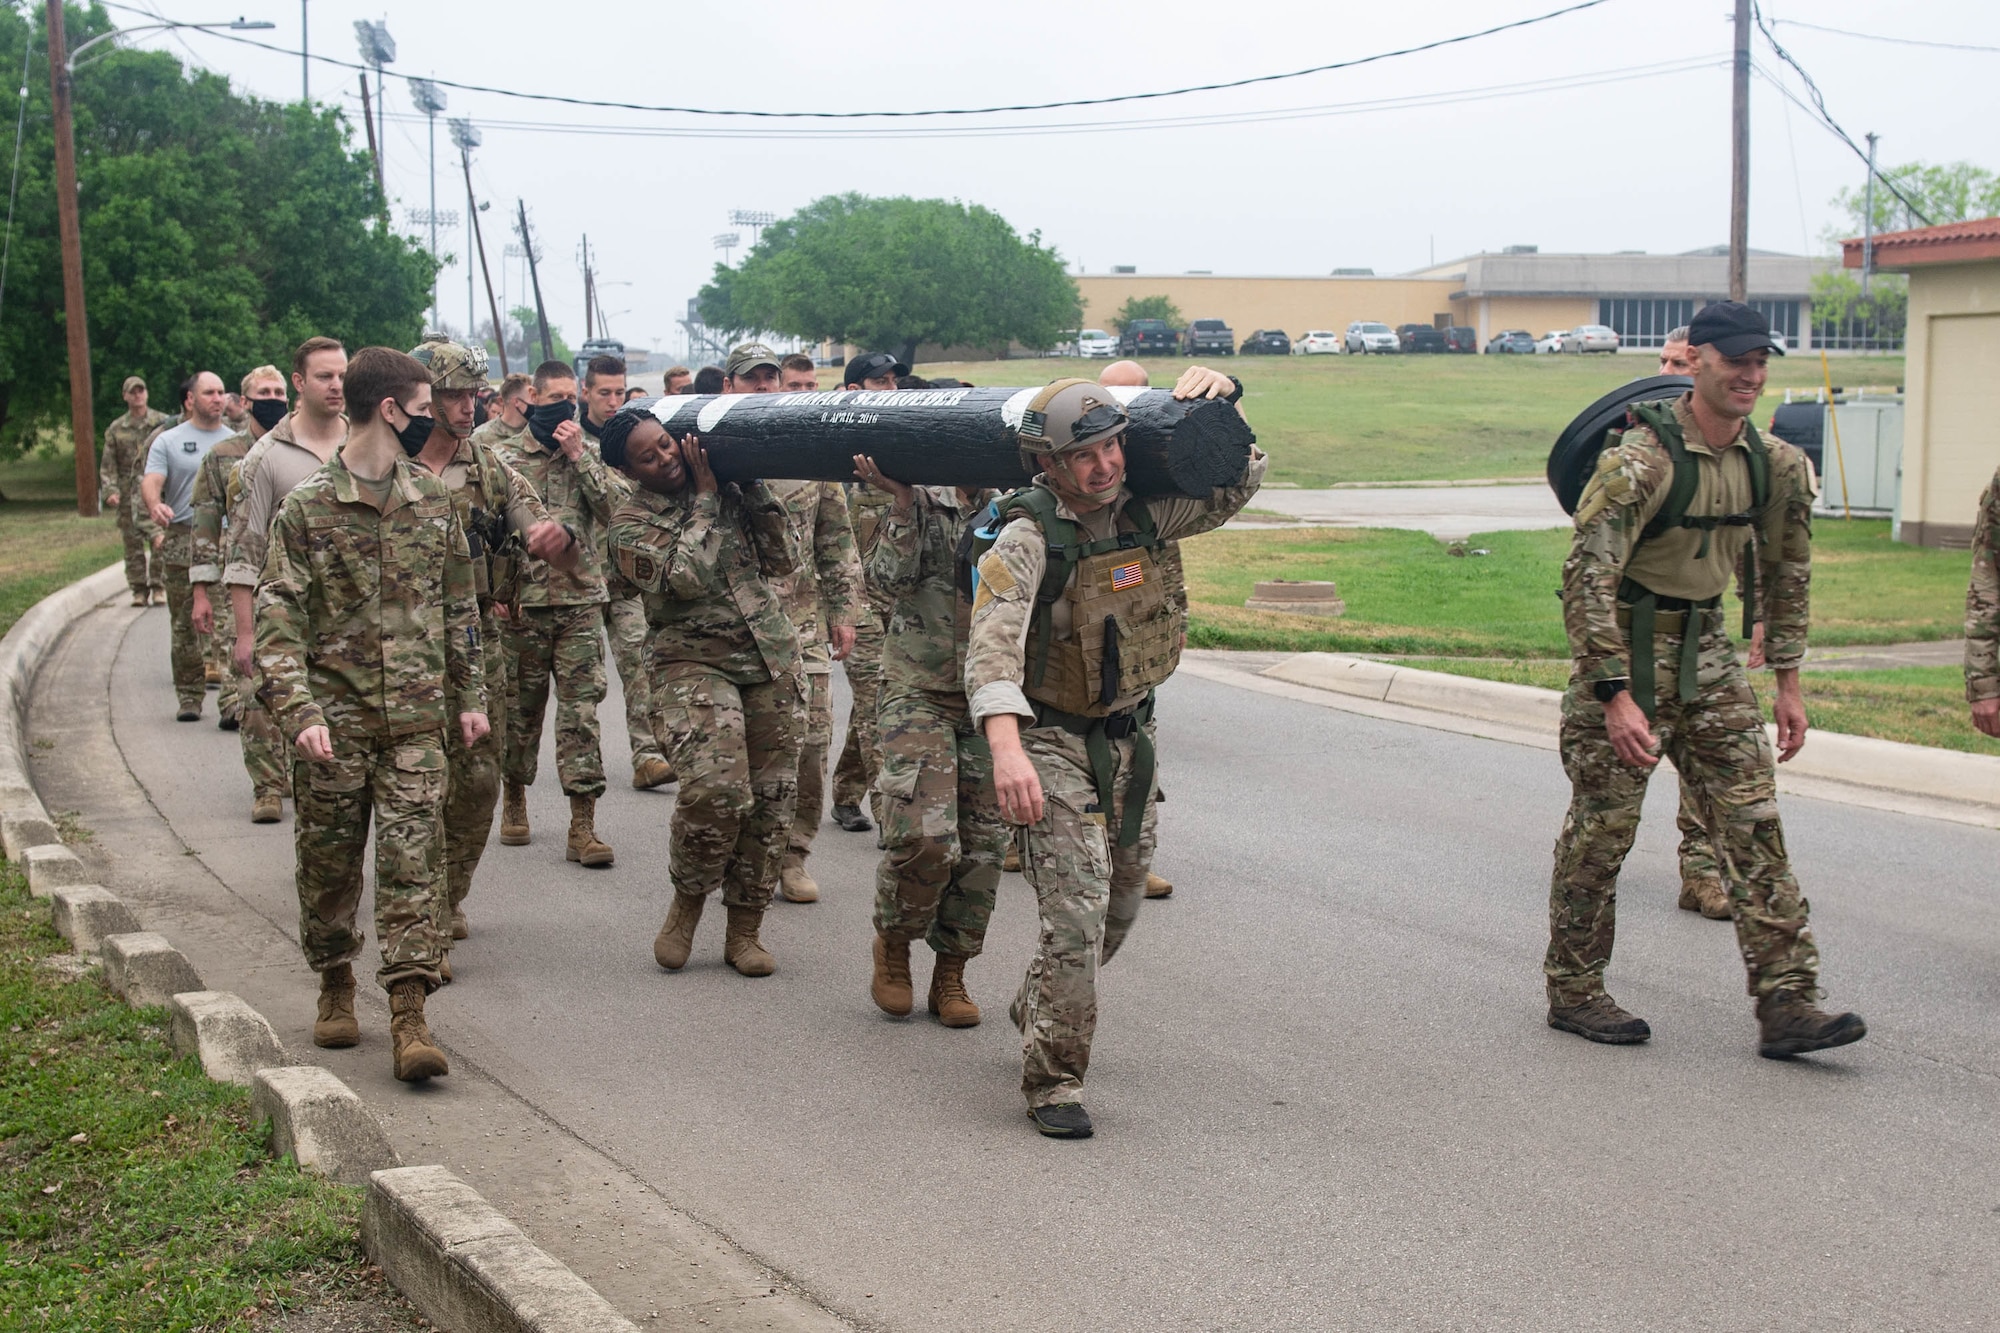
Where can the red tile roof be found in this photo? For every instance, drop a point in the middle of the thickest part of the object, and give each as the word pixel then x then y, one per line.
pixel 1953 243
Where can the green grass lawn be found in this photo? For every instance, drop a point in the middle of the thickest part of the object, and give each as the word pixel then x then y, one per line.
pixel 44 543
pixel 1327 419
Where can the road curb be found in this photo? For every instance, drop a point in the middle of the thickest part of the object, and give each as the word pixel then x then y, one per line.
pixel 322 1123
pixel 85 914
pixel 143 970
pixel 52 866
pixel 232 1040
pixel 21 654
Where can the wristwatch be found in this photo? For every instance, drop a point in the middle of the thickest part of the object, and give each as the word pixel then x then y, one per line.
pixel 1607 690
pixel 1236 392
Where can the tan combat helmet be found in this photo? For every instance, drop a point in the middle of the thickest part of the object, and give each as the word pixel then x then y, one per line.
pixel 453 366
pixel 1070 414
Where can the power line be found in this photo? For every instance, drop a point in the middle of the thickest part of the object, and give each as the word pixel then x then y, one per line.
pixel 1878 37
pixel 941 111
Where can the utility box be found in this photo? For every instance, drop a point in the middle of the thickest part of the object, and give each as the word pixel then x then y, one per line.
pixel 1861 458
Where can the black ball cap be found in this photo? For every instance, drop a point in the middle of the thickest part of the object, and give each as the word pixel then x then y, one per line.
pixel 870 365
pixel 1733 328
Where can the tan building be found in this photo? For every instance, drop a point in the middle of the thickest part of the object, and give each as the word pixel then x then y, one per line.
pixel 1951 437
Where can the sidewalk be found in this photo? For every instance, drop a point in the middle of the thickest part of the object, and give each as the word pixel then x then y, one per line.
pixel 1447 512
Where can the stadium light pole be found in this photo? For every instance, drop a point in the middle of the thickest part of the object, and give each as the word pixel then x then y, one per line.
pixel 430 100
pixel 378 48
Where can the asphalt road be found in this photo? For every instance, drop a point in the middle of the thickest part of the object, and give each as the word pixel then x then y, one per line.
pixel 1325 1094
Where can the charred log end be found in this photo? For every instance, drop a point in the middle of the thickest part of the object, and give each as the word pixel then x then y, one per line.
pixel 1210 448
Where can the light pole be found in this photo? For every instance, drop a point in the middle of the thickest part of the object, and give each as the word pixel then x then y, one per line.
pixel 466 135
pixel 62 70
pixel 378 48
pixel 725 242
pixel 429 99
pixel 756 219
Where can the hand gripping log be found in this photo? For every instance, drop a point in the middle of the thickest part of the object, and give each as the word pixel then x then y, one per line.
pixel 946 437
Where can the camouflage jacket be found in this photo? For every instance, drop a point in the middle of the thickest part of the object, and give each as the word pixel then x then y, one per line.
pixel 707 566
pixel 866 507
pixel 825 590
pixel 583 495
pixel 123 461
pixel 1982 600
pixel 484 485
pixel 275 465
pixel 496 431
pixel 211 505
pixel 915 567
pixel 1631 483
pixel 995 653
pixel 366 619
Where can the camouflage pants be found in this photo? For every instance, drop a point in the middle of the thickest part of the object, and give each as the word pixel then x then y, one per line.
pixel 566 644
pixel 190 681
pixel 400 782
pixel 1697 847
pixel 1088 892
pixel 861 749
pixel 472 787
pixel 941 824
pixel 812 764
pixel 735 749
pixel 221 643
pixel 143 570
pixel 1718 744
pixel 265 755
pixel 625 627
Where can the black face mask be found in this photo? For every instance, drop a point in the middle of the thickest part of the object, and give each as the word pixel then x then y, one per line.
pixel 543 420
pixel 414 435
pixel 268 412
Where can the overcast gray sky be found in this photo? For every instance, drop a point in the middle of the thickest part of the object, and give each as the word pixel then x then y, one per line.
pixel 1640 162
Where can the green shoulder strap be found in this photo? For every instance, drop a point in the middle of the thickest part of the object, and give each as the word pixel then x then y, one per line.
pixel 1659 417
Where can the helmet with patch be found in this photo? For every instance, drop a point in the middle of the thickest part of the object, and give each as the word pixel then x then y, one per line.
pixel 1070 414
pixel 453 366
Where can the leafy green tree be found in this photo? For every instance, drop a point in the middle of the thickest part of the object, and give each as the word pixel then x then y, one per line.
pixel 524 339
pixel 1146 307
pixel 1950 192
pixel 896 273
pixel 218 231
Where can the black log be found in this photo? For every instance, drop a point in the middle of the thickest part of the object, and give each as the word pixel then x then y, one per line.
pixel 946 437
pixel 1574 456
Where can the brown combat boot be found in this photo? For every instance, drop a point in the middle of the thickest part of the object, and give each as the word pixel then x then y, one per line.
pixel 1600 1018
pixel 514 815
pixel 444 968
pixel 336 1028
pixel 1706 896
pixel 1012 861
pixel 267 809
pixel 1793 1025
pixel 416 1055
pixel 584 848
pixel 741 948
pixel 1157 887
pixel 891 985
pixel 653 773
pixel 460 927
pixel 953 1007
pixel 675 941
pixel 794 884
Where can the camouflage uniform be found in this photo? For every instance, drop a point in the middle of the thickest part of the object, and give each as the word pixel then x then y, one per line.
pixel 211 501
pixel 1088 878
pixel 625 629
pixel 825 590
pixel 1716 739
pixel 182 447
pixel 861 749
pixel 559 633
pixel 941 821
pixel 727 679
pixel 119 468
pixel 1982 601
pixel 367 623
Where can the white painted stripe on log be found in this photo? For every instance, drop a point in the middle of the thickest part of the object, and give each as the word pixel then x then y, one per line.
pixel 1014 408
pixel 717 409
pixel 666 409
pixel 1125 393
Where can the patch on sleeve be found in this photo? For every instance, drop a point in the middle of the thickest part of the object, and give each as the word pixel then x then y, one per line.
pixel 644 572
pixel 995 579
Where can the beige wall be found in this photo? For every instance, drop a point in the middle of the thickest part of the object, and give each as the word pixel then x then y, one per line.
pixel 1292 304
pixel 1951 435
pixel 1536 314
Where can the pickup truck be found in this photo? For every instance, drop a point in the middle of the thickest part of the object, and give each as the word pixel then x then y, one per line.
pixel 1144 336
pixel 1420 338
pixel 1206 336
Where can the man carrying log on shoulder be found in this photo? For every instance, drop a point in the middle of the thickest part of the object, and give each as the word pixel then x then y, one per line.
pixel 1073 628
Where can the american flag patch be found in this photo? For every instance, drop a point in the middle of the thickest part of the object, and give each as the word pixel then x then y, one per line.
pixel 1127 576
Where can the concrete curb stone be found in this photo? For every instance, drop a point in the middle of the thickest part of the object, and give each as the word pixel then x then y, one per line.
pixel 25 825
pixel 21 653
pixel 50 867
pixel 233 1040
pixel 84 914
pixel 323 1124
pixel 466 1266
pixel 143 969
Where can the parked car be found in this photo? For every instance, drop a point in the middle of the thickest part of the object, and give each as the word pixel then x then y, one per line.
pixel 1148 335
pixel 1096 342
pixel 1590 338
pixel 1458 338
pixel 1552 341
pixel 1517 342
pixel 1318 342
pixel 1210 336
pixel 1420 338
pixel 1365 335
pixel 1267 342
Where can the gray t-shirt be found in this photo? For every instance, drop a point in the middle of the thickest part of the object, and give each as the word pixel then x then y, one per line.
pixel 176 454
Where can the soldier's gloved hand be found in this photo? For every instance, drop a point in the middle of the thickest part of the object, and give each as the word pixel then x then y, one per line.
pixel 316 743
pixel 472 728
pixel 840 639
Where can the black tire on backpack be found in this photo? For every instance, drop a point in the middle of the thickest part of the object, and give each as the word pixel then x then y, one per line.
pixel 1574 456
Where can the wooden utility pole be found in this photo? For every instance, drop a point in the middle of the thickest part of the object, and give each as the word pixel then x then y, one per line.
pixel 82 424
pixel 535 279
pixel 1739 177
pixel 589 296
pixel 479 238
pixel 374 154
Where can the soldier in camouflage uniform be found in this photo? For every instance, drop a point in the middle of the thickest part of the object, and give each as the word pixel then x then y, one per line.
pixel 1633 570
pixel 173 457
pixel 509 411
pixel 941 824
pixel 1067 720
pixel 558 635
pixel 1982 615
pixel 503 516
pixel 728 682
pixel 368 639
pixel 861 749
pixel 118 471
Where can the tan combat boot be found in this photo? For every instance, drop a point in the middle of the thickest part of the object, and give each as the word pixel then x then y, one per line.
pixel 953 1007
pixel 444 967
pixel 1706 896
pixel 1012 861
pixel 1157 887
pixel 336 1028
pixel 268 808
pixel 416 1055
pixel 891 985
pixel 514 815
pixel 653 773
pixel 794 883
pixel 675 941
pixel 741 948
pixel 584 848
pixel 1790 1024
pixel 460 927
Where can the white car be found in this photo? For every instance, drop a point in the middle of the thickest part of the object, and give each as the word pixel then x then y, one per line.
pixel 1317 342
pixel 1367 335
pixel 1590 338
pixel 1096 342
pixel 1552 341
